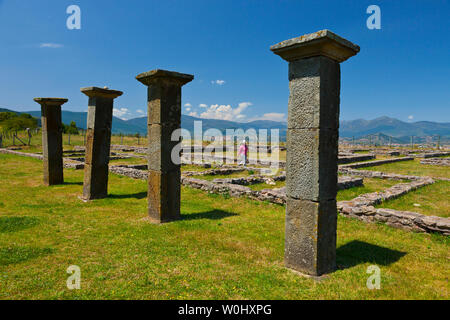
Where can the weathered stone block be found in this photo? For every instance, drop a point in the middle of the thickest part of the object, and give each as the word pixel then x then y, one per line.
pixel 311 164
pixel 52 149
pixel 164 95
pixel 164 196
pixel 164 103
pixel 95 184
pixel 98 141
pixel 310 241
pixel 314 93
pixel 161 147
pixel 321 43
pixel 164 116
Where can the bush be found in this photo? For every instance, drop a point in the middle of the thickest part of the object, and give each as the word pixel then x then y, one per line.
pixel 17 122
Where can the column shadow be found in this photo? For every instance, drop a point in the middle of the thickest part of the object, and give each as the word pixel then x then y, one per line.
pixel 357 252
pixel 138 195
pixel 73 183
pixel 211 215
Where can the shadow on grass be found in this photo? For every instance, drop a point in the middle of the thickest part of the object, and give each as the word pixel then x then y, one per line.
pixel 14 224
pixel 358 252
pixel 13 255
pixel 211 215
pixel 139 195
pixel 73 183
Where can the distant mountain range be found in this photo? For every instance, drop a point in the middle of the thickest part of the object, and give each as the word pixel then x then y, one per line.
pixel 384 128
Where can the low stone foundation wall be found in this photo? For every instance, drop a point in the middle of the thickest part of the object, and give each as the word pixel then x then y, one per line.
pixel 214 172
pixel 370 199
pixel 362 208
pixel 245 181
pixel 436 161
pixel 375 163
pixel 392 153
pixel 276 195
pixel 344 159
pixel 410 221
pixel 132 171
pixel 377 174
pixel 433 154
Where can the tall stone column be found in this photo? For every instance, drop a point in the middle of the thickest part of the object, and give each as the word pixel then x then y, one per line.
pixel 98 141
pixel 164 116
pixel 52 147
pixel 312 148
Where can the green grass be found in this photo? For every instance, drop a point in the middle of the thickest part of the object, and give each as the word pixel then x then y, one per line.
pixel 128 161
pixel 370 185
pixel 223 248
pixel 193 167
pixel 263 185
pixel 240 174
pixel 433 200
pixel 413 168
pixel 75 140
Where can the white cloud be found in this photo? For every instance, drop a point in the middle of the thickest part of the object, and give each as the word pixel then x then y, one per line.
pixel 188 109
pixel 193 114
pixel 51 45
pixel 202 105
pixel 188 105
pixel 122 113
pixel 140 111
pixel 273 116
pixel 218 82
pixel 225 112
pixel 410 117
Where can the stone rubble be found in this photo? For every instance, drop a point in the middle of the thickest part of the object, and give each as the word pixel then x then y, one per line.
pixel 436 161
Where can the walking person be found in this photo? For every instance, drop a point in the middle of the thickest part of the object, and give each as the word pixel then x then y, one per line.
pixel 243 153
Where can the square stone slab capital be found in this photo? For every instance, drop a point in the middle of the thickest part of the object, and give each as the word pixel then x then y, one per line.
pixel 93 92
pixel 151 77
pixel 320 43
pixel 51 101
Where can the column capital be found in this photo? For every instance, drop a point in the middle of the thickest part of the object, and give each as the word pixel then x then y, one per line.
pixel 51 101
pixel 153 76
pixel 101 92
pixel 320 43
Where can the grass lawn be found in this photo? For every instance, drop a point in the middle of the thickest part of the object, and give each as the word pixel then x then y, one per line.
pixel 223 248
pixel 193 167
pixel 413 168
pixel 263 185
pixel 370 185
pixel 128 161
pixel 433 200
pixel 239 174
pixel 75 140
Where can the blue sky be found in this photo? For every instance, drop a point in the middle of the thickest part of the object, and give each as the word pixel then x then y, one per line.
pixel 402 70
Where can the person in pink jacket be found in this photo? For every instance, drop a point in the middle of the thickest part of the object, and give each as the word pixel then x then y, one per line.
pixel 243 153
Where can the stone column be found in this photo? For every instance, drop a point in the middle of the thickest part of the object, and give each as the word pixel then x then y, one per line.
pixel 98 141
pixel 52 148
pixel 312 148
pixel 164 116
